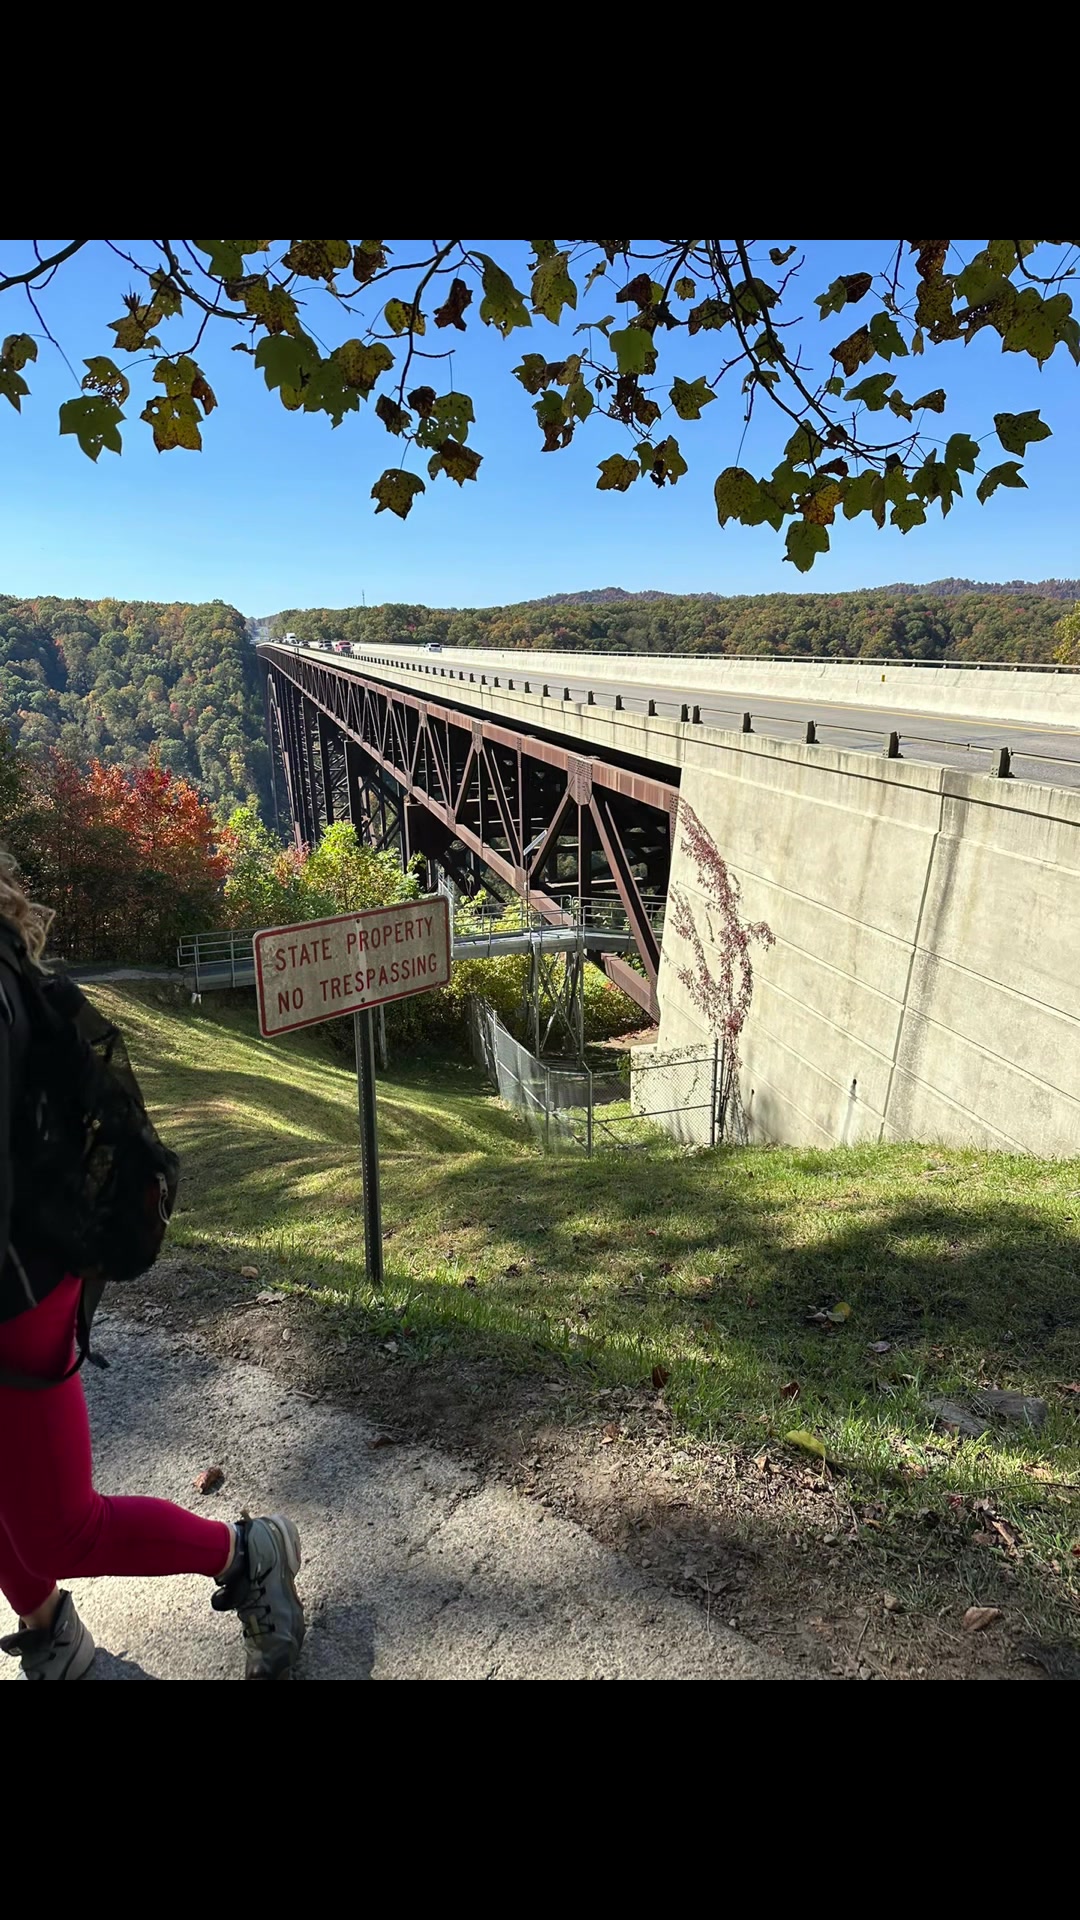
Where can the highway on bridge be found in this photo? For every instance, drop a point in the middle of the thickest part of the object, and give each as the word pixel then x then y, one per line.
pixel 1048 755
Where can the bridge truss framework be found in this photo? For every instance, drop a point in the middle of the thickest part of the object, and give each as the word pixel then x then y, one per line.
pixel 467 793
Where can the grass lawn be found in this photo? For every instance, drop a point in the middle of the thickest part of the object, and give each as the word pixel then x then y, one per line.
pixel 960 1268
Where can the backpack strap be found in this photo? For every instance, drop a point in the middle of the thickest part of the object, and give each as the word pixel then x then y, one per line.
pixel 90 1293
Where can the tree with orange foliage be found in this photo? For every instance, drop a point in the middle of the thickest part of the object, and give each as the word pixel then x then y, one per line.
pixel 129 859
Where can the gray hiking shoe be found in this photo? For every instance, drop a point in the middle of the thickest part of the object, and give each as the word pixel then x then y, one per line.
pixel 262 1590
pixel 64 1651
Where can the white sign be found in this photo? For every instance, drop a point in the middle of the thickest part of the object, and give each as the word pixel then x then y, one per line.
pixel 324 968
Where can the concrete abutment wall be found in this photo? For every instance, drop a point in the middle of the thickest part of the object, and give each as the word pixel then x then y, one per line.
pixel 925 981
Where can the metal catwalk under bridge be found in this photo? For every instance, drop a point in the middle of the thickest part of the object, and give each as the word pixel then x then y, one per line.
pixel 221 960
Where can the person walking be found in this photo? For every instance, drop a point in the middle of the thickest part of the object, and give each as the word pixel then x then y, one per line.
pixel 85 1192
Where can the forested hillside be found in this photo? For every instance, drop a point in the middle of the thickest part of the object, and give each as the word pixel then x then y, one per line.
pixel 925 623
pixel 109 680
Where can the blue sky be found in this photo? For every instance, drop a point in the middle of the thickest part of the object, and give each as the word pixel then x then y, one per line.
pixel 276 512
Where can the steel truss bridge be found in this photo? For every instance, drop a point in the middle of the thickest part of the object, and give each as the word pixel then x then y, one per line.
pixel 475 798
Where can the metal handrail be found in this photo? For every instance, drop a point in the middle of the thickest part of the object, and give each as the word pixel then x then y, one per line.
pixel 780 659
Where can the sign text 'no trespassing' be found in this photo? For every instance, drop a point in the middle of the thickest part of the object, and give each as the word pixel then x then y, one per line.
pixel 324 968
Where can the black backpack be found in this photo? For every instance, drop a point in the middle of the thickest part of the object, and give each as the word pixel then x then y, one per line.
pixel 93 1185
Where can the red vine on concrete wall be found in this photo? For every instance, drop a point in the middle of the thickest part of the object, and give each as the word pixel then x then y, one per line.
pixel 723 999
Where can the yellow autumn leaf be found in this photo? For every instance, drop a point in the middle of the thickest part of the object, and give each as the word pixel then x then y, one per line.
pixel 808 1442
pixel 841 1311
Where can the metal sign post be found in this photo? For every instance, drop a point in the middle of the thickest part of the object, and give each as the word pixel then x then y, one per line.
pixel 364 1030
pixel 355 963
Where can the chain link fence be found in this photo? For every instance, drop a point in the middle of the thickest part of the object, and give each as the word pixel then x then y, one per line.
pixel 678 1093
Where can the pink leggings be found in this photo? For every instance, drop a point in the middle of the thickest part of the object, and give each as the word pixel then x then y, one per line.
pixel 53 1526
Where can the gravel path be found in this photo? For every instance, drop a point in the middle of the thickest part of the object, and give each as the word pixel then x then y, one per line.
pixel 414 1567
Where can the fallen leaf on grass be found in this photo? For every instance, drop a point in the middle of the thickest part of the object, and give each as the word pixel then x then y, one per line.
pixel 249 1273
pixel 660 1377
pixel 513 1269
pixel 808 1442
pixel 830 1316
pixel 382 1440
pixel 880 1346
pixel 471 1282
pixel 976 1618
pixel 209 1480
pixel 892 1603
pixel 268 1299
pixel 984 1540
pixel 791 1391
pixel 610 1433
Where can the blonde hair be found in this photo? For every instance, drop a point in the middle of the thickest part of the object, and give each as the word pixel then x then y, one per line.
pixel 29 919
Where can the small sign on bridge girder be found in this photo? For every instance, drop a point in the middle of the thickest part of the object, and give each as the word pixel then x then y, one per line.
pixel 351 963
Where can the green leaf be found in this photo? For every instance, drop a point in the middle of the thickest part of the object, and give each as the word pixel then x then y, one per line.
pixel 689 396
pixel 932 402
pixel 326 391
pixel 360 363
pixel 805 444
pixel 663 464
pixel 737 495
pixel 899 405
pixel 457 462
pixel 1006 475
pixel 1037 325
pixel 918 340
pixel 94 422
pixel 835 386
pixel 227 256
pixel 17 349
pixel 780 255
pixel 804 542
pixel 503 305
pixel 709 316
pixel 449 417
pixel 552 287
pixel 617 473
pixel 273 307
pixel 981 283
pixel 174 419
pixel 845 292
pixel 685 289
pixel 400 317
pixel 318 259
pixel 1016 431
pixel 859 494
pixel 226 259
pixel 579 399
pixel 935 481
pixel 286 360
pixel 532 372
pixel 961 451
pixel 396 490
pixel 910 513
pixel 872 392
pixel 632 347
pixel 104 376
pixel 887 337
pixel 753 297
